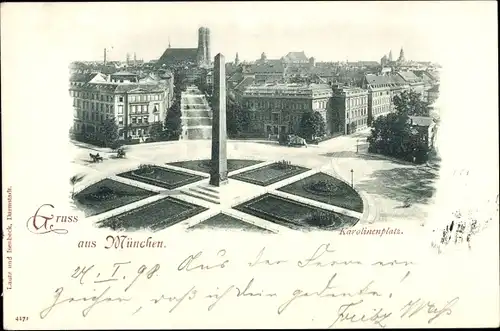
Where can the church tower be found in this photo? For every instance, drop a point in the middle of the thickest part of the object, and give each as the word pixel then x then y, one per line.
pixel 236 59
pixel 401 56
pixel 390 56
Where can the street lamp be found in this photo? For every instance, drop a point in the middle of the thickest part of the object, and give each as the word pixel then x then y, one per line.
pixel 357 145
pixel 352 178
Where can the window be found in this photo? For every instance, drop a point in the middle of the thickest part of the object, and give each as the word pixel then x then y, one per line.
pixel 120 99
pixel 156 107
pixel 134 120
pixel 132 109
pixel 120 120
pixel 120 109
pixel 139 120
pixel 157 118
pixel 145 119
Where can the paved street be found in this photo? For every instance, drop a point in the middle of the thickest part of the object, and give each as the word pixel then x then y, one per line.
pixel 389 184
pixel 196 115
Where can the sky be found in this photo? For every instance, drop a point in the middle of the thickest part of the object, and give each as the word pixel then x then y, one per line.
pixel 329 31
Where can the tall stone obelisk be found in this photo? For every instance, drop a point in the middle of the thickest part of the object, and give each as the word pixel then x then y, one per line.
pixel 218 171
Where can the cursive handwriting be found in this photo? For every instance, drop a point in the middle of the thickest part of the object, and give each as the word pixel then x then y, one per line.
pixel 260 260
pixel 325 293
pixel 414 307
pixel 190 295
pixel 315 259
pixel 188 263
pixel 95 300
pixel 358 292
pixel 346 313
pixel 247 292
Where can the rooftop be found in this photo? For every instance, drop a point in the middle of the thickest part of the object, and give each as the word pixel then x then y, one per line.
pixel 288 89
pixel 270 66
pixel 409 76
pixel 296 57
pixel 124 73
pixel 421 121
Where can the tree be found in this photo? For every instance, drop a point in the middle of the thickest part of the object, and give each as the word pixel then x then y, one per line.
pixel 411 104
pixel 108 132
pixel 75 180
pixel 237 118
pixel 392 135
pixel 156 131
pixel 173 122
pixel 312 125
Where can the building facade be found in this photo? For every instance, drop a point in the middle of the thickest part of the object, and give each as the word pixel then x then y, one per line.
pixel 278 108
pixel 133 105
pixel 350 109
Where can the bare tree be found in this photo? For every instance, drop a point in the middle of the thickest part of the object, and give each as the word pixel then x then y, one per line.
pixel 75 180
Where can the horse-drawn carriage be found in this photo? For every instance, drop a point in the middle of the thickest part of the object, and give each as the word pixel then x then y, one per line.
pixel 96 157
pixel 292 140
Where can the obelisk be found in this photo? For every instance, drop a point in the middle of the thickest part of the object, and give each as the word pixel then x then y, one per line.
pixel 218 171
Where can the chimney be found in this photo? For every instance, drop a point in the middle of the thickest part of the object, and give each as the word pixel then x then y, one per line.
pixel 105 57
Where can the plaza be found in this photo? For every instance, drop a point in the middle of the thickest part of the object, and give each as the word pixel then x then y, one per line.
pixel 175 192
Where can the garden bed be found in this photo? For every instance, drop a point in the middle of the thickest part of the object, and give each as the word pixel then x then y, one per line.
pixel 335 192
pixel 225 222
pixel 161 177
pixel 204 165
pixel 154 216
pixel 295 215
pixel 106 195
pixel 269 174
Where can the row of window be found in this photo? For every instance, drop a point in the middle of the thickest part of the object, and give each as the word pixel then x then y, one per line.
pixel 87 105
pixel 382 101
pixel 380 110
pixel 276 105
pixel 357 113
pixel 360 122
pixel 91 116
pixel 138 109
pixel 378 94
pixel 358 101
pixel 144 97
pixel 139 119
pixel 319 105
pixel 274 117
pixel 109 98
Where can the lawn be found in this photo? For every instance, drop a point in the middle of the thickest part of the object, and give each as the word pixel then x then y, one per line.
pixel 225 222
pixel 161 177
pixel 154 216
pixel 268 174
pixel 294 214
pixel 106 195
pixel 204 165
pixel 341 194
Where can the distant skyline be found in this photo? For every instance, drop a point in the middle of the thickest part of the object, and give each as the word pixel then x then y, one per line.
pixel 328 31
